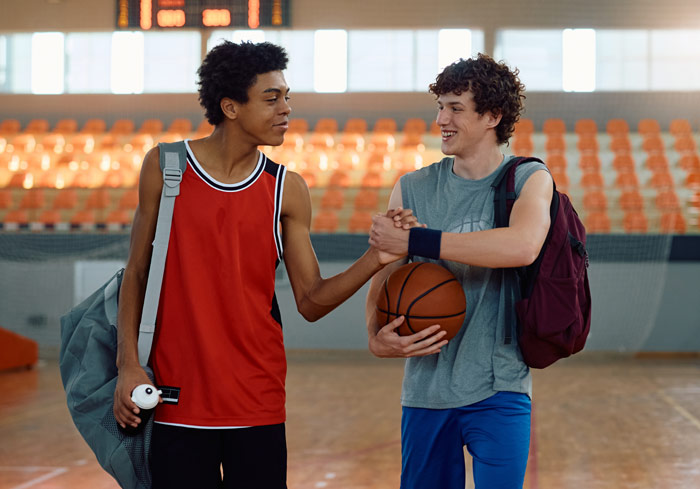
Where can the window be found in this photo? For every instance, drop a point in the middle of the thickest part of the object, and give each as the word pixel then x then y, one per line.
pixel 330 61
pixel 171 61
pixel 88 62
pixel 536 53
pixel 622 60
pixel 675 60
pixel 380 61
pixel 126 74
pixel 578 60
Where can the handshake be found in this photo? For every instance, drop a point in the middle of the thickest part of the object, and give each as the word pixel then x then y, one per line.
pixel 390 232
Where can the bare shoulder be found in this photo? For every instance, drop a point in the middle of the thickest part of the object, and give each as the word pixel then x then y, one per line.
pixel 296 193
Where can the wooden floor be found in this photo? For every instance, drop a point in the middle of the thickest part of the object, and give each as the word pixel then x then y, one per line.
pixel 600 422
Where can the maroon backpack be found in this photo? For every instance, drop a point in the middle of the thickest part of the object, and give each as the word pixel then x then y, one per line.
pixel 554 314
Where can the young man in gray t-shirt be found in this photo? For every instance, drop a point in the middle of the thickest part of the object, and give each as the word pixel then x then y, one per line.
pixel 474 390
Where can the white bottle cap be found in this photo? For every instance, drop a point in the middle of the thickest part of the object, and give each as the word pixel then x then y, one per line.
pixel 145 396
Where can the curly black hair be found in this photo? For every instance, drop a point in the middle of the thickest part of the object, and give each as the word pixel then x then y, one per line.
pixel 495 87
pixel 230 69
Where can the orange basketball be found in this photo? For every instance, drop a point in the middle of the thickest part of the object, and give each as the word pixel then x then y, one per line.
pixel 425 294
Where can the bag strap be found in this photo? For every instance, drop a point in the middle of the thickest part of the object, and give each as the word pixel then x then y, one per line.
pixel 504 198
pixel 173 163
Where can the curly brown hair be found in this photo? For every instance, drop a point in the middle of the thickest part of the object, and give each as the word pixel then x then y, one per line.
pixel 495 87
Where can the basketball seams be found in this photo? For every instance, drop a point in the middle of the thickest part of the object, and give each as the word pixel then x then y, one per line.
pixel 403 285
pixel 408 311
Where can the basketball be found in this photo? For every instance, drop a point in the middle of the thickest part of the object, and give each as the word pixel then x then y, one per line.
pixel 425 294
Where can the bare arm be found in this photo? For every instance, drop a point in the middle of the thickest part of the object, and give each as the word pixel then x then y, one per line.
pixel 384 341
pixel 315 296
pixel 133 289
pixel 516 245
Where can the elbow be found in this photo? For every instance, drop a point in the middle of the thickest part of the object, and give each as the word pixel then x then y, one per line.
pixel 308 312
pixel 529 254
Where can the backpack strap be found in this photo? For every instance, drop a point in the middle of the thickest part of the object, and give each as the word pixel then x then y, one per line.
pixel 173 163
pixel 504 198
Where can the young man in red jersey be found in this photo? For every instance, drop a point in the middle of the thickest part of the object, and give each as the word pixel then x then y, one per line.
pixel 476 392
pixel 219 340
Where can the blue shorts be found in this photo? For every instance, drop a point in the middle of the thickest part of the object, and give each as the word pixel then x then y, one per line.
pixel 496 432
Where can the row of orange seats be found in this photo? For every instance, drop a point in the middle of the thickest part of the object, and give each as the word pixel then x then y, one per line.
pixel 637 221
pixel 612 127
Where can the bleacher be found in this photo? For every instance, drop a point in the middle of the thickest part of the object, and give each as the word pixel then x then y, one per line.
pixel 644 179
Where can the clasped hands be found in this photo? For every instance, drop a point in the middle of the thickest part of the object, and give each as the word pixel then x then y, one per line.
pixel 389 231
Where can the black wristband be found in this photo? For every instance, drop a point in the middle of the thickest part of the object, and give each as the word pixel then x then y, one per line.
pixel 424 242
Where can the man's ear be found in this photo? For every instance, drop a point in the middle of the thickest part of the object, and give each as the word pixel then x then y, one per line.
pixel 494 118
pixel 228 107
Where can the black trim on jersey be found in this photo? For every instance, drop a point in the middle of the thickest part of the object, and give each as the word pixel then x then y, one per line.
pixel 279 187
pixel 259 168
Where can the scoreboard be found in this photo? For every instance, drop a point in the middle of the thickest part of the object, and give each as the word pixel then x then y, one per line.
pixel 172 14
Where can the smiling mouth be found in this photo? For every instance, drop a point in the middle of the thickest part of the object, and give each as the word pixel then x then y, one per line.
pixel 448 134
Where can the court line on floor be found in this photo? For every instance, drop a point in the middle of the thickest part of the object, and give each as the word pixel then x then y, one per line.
pixel 37 480
pixel 681 410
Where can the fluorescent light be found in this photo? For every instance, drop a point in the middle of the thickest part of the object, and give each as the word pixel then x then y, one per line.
pixel 47 62
pixel 331 61
pixel 127 62
pixel 578 57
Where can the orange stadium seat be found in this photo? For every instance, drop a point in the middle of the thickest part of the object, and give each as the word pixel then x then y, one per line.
pixel 83 219
pixel 680 127
pixel 366 200
pixel 360 222
pixel 667 200
pixel 412 141
pixel 339 178
pixel 327 125
pixel 325 221
pixel 333 198
pixel 623 163
pixel 118 217
pixel 631 200
pixel 523 145
pixel 98 198
pixel 180 126
pixel 524 127
pixel 627 180
pixel 415 125
pixel 661 179
pixel 592 180
pixel 122 127
pixel 617 127
pixel 435 129
pixel 49 217
pixel 561 179
pixel 555 143
pixel 589 163
pixel 597 222
pixel 587 143
pixel 635 222
pixel 37 126
pixel 620 144
pixel 595 200
pixel 151 126
pixel 204 129
pixel 656 162
pixel 385 125
pixel 648 126
pixel 94 126
pixel 556 162
pixel 692 179
pixel 653 144
pixel 16 216
pixel 65 199
pixel 585 126
pixel 685 144
pixel 5 198
pixel 310 178
pixel 372 179
pixel 9 127
pixel 298 126
pixel 554 126
pixel 689 162
pixel 32 199
pixel 66 126
pixel 672 222
pixel 355 125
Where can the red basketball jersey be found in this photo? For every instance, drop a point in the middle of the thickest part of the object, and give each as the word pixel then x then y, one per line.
pixel 218 352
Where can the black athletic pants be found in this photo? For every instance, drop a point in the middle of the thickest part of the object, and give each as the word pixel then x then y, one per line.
pixel 191 458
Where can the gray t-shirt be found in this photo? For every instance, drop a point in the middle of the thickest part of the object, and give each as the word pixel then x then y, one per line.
pixel 476 363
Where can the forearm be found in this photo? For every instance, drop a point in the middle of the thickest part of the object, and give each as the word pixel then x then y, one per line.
pixel 492 248
pixel 327 294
